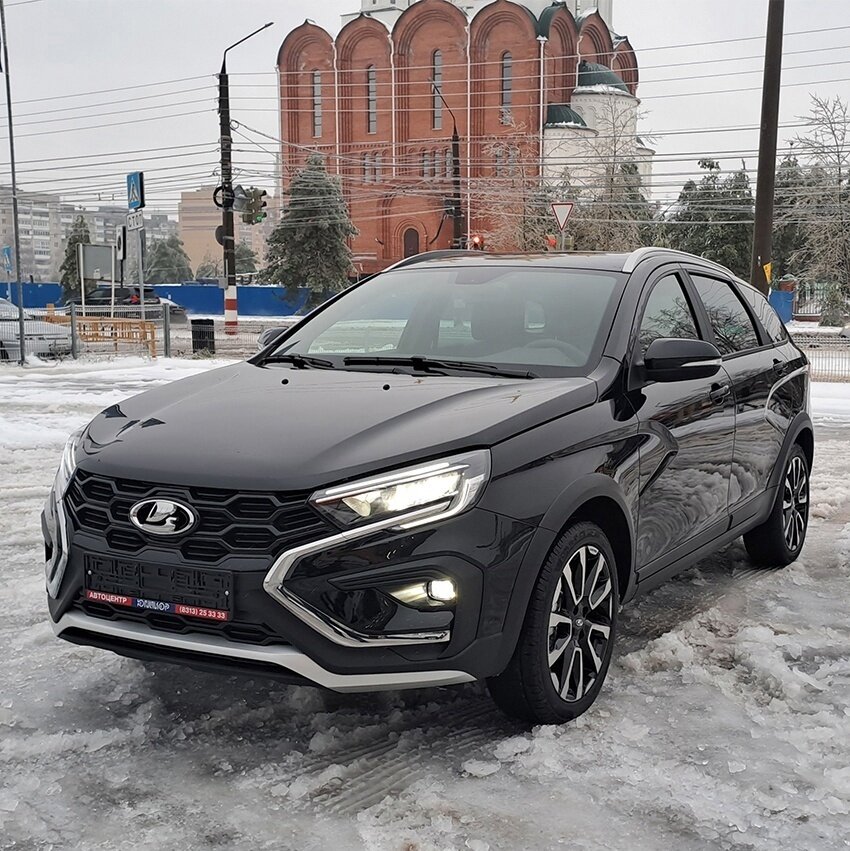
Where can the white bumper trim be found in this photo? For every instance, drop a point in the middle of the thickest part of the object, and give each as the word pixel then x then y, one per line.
pixel 285 657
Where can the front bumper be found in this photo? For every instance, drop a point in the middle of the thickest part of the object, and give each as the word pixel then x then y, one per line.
pixel 339 631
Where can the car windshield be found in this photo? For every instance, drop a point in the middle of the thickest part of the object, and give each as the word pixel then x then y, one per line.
pixel 548 321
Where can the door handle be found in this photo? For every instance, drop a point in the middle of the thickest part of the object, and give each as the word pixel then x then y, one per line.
pixel 719 392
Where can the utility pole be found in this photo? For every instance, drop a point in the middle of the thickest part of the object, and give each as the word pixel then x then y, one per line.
pixel 18 275
pixel 228 232
pixel 763 229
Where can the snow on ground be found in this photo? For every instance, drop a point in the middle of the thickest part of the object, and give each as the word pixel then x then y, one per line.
pixel 724 722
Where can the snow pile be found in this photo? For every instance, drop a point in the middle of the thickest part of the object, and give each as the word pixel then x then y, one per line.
pixel 724 722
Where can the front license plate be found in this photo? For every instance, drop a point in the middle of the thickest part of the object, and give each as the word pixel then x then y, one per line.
pixel 186 591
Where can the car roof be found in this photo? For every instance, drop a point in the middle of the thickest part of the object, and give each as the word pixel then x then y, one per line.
pixel 607 261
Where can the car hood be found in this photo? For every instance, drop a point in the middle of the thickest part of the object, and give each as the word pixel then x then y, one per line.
pixel 274 428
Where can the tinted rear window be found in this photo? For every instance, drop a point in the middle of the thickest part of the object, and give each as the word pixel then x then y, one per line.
pixel 771 323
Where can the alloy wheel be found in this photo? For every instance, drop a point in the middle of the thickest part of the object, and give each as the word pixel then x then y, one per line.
pixel 580 623
pixel 795 503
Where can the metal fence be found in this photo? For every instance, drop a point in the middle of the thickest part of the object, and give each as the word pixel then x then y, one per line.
pixel 828 354
pixel 68 332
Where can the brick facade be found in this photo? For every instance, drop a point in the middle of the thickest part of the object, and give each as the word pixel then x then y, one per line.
pixel 365 100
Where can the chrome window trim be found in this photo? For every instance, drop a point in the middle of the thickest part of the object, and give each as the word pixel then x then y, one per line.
pixel 285 657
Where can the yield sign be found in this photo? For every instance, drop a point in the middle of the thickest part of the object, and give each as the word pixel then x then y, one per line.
pixel 562 210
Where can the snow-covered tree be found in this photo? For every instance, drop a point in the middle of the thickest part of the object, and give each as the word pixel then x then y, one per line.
pixel 823 210
pixel 714 218
pixel 166 262
pixel 69 273
pixel 309 247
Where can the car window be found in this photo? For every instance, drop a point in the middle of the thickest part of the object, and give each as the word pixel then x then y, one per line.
pixel 554 320
pixel 768 317
pixel 733 329
pixel 667 313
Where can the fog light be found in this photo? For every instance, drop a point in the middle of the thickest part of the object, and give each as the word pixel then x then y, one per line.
pixel 441 590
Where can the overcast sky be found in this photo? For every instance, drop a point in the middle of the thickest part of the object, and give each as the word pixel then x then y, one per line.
pixel 60 48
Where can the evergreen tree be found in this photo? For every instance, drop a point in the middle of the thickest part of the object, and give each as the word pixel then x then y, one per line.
pixel 788 238
pixel 246 259
pixel 210 267
pixel 714 218
pixel 166 262
pixel 309 246
pixel 69 273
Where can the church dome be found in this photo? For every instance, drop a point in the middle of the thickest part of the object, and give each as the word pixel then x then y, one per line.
pixel 594 74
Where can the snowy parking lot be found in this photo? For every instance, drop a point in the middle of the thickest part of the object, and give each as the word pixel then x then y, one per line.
pixel 724 723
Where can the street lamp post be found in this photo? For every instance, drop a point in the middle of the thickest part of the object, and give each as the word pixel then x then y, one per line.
pixel 457 209
pixel 18 275
pixel 228 235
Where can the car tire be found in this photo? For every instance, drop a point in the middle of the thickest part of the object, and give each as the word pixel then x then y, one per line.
pixel 564 648
pixel 779 540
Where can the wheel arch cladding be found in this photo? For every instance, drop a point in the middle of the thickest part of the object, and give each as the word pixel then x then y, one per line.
pixel 597 498
pixel 609 516
pixel 806 440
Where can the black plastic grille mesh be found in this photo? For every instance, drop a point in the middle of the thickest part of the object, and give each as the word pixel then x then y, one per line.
pixel 230 522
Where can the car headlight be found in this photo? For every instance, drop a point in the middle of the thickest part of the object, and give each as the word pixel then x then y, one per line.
pixel 68 463
pixel 409 497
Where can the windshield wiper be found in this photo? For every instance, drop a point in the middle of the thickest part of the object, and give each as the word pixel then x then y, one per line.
pixel 424 364
pixel 300 361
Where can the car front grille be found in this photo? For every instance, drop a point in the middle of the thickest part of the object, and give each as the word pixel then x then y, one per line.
pixel 241 632
pixel 230 523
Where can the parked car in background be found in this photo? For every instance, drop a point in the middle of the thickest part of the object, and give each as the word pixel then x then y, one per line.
pixel 44 339
pixel 457 470
pixel 127 299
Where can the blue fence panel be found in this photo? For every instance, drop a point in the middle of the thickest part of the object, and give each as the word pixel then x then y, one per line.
pixel 35 295
pixel 196 298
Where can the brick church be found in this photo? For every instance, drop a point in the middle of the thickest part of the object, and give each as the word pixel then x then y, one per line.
pixel 534 88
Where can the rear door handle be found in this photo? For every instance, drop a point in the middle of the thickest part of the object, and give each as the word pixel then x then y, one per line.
pixel 719 392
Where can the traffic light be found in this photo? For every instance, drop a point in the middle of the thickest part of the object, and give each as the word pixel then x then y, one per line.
pixel 255 213
pixel 477 242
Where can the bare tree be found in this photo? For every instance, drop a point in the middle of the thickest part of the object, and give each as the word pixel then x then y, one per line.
pixel 513 200
pixel 823 209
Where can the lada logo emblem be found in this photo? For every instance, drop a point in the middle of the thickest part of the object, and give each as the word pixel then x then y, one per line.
pixel 162 517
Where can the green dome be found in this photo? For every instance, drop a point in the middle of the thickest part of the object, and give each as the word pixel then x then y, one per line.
pixel 562 113
pixel 594 74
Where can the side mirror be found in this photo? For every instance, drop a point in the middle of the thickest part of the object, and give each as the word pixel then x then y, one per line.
pixel 675 359
pixel 269 336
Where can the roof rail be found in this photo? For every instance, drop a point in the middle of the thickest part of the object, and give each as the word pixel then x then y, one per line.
pixel 427 255
pixel 640 254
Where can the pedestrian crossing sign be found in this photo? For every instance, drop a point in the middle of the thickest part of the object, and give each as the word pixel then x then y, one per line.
pixel 136 190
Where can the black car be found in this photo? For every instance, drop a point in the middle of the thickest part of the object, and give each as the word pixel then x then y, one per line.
pixel 102 296
pixel 457 470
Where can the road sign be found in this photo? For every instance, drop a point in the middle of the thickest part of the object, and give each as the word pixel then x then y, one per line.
pixel 135 220
pixel 136 190
pixel 121 242
pixel 562 210
pixel 7 258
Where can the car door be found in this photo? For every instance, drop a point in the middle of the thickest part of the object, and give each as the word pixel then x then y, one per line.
pixel 754 365
pixel 688 431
